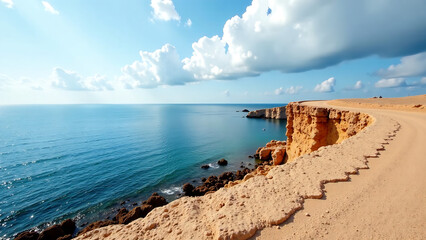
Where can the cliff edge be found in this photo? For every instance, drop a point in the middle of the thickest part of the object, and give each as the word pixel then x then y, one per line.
pixel 272 113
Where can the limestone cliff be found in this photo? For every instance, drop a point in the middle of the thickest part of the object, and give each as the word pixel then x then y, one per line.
pixel 273 113
pixel 309 128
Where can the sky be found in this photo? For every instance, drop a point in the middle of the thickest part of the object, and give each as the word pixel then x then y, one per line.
pixel 209 51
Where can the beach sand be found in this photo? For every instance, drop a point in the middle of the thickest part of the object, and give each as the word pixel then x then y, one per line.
pixel 386 201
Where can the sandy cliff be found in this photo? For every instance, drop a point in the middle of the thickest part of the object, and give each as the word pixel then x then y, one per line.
pixel 273 113
pixel 311 127
pixel 264 200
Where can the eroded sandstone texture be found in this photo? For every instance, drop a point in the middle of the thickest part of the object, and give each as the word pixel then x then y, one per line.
pixel 273 113
pixel 309 128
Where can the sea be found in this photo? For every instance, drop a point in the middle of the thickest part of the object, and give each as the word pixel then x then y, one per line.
pixel 86 161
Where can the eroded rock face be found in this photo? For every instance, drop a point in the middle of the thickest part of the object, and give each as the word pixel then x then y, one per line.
pixel 273 113
pixel 309 128
pixel 274 150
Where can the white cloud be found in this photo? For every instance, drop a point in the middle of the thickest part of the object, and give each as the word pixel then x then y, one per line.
pixel 188 23
pixel 358 85
pixel 164 10
pixel 326 86
pixel 49 8
pixel 69 80
pixel 8 3
pixel 423 80
pixel 307 34
pixel 293 90
pixel 410 66
pixel 390 83
pixel 161 67
pixel 279 91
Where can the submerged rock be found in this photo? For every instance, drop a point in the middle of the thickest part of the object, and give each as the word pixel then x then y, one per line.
pixel 222 162
pixel 205 166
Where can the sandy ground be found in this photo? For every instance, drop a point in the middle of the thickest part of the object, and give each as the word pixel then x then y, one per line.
pixel 387 201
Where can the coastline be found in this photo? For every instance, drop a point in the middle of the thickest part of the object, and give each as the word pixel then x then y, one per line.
pixel 239 204
pixel 261 201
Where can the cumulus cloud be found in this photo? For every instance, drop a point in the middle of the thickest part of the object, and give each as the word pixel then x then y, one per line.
pixel 390 83
pixel 410 66
pixel 295 36
pixel 293 90
pixel 69 80
pixel 161 67
pixel 188 23
pixel 49 8
pixel 326 86
pixel 164 10
pixel 358 85
pixel 8 3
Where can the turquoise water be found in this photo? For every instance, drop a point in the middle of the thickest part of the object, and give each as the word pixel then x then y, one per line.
pixel 84 161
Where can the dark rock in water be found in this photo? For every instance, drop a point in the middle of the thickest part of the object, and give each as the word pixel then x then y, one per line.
pixel 27 235
pixel 249 164
pixel 156 200
pixel 205 166
pixel 222 162
pixel 242 166
pixel 380 96
pixel 123 202
pixel 134 204
pixel 134 214
pixel 203 179
pixel 228 176
pixel 66 237
pixel 194 180
pixel 187 189
pixel 245 110
pixel 83 224
pixel 120 215
pixel 96 225
pixel 250 156
pixel 52 232
pixel 68 226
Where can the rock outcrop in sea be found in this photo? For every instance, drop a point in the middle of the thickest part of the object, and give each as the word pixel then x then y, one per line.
pixel 272 113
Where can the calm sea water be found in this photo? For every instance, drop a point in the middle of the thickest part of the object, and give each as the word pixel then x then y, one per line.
pixel 84 161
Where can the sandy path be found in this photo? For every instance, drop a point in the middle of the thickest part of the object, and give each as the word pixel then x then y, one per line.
pixel 387 201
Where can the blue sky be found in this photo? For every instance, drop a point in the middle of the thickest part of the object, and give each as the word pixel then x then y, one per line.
pixel 209 51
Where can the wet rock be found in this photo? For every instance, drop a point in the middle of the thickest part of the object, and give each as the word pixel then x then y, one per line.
pixel 228 176
pixel 68 226
pixel 120 215
pixel 250 156
pixel 205 166
pixel 27 235
pixel 96 225
pixel 146 208
pixel 245 110
pixel 52 232
pixel 203 179
pixel 187 189
pixel 222 162
pixel 134 214
pixel 155 200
